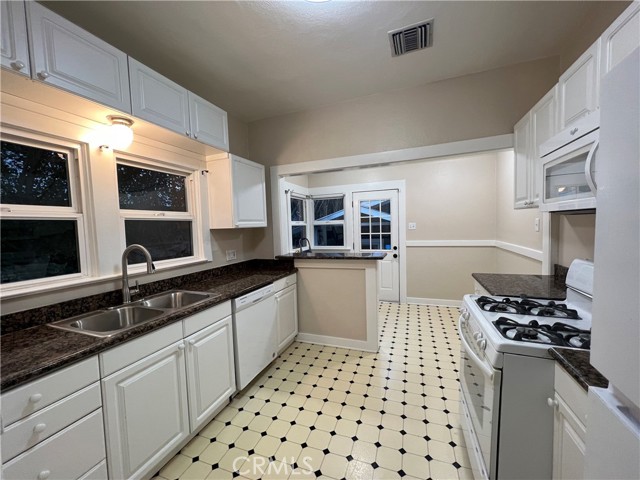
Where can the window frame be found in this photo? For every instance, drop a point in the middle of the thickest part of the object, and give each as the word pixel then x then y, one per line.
pixel 79 211
pixel 342 222
pixel 192 214
pixel 299 223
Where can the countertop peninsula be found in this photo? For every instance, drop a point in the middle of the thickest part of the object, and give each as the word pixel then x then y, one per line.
pixel 29 348
pixel 576 363
pixel 333 256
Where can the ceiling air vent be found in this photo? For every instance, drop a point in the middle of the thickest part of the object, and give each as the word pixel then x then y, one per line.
pixel 413 37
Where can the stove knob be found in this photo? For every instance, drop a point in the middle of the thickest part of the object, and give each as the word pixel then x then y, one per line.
pixel 465 314
pixel 477 335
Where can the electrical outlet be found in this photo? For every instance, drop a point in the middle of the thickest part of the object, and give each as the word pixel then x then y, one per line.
pixel 231 255
pixel 412 225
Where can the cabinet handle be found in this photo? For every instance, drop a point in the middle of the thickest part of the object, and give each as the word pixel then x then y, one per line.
pixel 35 398
pixel 43 75
pixel 187 133
pixel 573 131
pixel 553 403
pixel 17 65
pixel 195 135
pixel 44 474
pixel 182 346
pixel 39 428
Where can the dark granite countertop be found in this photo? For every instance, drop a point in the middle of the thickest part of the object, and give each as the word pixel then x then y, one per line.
pixel 533 286
pixel 576 363
pixel 28 353
pixel 334 256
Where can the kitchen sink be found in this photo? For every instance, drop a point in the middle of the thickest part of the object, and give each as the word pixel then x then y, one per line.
pixel 174 299
pixel 105 323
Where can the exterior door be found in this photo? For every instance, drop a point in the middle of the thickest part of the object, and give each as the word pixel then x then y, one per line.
pixel 376 230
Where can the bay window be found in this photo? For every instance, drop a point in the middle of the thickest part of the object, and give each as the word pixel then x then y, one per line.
pixel 328 221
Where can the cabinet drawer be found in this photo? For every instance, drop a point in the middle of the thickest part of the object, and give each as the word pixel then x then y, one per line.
pixel 68 454
pixel 113 360
pixel 35 428
pixel 36 395
pixel 284 282
pixel 572 393
pixel 205 318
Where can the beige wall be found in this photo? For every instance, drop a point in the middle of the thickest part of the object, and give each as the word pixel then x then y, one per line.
pixel 575 235
pixel 238 136
pixel 473 106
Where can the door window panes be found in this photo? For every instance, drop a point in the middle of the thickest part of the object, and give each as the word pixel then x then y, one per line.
pixel 34 176
pixel 146 189
pixel 375 225
pixel 33 249
pixel 165 239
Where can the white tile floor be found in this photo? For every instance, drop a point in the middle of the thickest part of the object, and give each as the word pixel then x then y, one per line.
pixel 336 413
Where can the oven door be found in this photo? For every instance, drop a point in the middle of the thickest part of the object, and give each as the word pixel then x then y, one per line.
pixel 480 399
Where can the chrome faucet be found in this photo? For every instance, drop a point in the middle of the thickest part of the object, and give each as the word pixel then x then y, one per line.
pixel 126 292
pixel 301 241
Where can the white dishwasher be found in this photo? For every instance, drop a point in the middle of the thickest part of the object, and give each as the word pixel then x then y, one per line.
pixel 255 333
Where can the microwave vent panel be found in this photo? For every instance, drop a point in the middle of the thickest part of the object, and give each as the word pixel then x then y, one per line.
pixel 410 38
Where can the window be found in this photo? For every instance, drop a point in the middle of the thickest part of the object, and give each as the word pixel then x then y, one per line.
pixel 156 210
pixel 42 232
pixel 328 222
pixel 375 225
pixel 298 219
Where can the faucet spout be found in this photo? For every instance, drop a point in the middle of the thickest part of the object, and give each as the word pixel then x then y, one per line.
pixel 303 240
pixel 126 291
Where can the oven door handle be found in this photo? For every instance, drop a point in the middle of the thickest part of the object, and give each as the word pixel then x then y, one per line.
pixel 467 348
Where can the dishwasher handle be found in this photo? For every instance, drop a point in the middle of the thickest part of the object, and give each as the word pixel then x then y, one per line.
pixel 252 298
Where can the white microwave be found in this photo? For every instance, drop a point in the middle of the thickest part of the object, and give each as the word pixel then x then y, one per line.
pixel 569 167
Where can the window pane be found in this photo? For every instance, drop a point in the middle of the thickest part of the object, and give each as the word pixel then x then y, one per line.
pixel 328 209
pixel 34 176
pixel 38 249
pixel 386 226
pixel 375 225
pixel 365 242
pixel 165 239
pixel 386 207
pixel 375 242
pixel 298 232
pixel 329 235
pixel 142 189
pixel 386 242
pixel 297 210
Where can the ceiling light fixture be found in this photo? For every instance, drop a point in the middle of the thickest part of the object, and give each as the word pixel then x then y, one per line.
pixel 119 134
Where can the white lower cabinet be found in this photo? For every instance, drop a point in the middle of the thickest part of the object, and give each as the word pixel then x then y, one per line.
pixel 210 371
pixel 569 431
pixel 145 408
pixel 287 315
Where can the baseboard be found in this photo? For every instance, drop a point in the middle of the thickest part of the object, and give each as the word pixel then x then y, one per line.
pixel 337 342
pixel 441 302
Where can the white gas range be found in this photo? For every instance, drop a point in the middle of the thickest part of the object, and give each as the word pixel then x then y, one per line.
pixel 507 374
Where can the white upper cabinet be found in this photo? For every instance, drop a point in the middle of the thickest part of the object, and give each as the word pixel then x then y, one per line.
pixel 578 87
pixel 237 193
pixel 157 99
pixel 208 122
pixel 14 46
pixel 621 38
pixel 535 128
pixel 68 57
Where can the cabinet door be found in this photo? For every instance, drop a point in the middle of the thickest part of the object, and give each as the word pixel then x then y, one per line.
pixel 568 443
pixel 578 87
pixel 158 99
pixel 522 147
pixel 68 57
pixel 145 409
pixel 287 316
pixel 249 194
pixel 208 123
pixel 543 127
pixel 14 47
pixel 210 371
pixel 620 39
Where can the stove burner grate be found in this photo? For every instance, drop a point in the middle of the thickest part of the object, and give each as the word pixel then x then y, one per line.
pixel 559 334
pixel 526 306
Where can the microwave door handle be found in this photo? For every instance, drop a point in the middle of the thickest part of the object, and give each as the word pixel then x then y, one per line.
pixel 587 167
pixel 469 351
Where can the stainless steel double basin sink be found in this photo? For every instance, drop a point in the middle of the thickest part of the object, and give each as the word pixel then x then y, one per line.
pixel 111 321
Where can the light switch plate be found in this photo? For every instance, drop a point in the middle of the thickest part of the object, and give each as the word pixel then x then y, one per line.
pixel 536 224
pixel 231 255
pixel 412 225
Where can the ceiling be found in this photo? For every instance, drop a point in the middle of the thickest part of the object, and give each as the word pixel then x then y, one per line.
pixel 258 59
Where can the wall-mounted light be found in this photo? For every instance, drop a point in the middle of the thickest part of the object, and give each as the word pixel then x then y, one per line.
pixel 119 134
